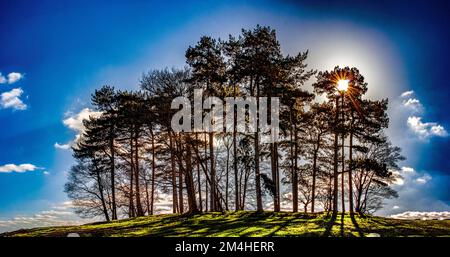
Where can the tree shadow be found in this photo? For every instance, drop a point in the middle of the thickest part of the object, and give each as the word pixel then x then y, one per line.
pixel 356 225
pixel 282 226
pixel 330 225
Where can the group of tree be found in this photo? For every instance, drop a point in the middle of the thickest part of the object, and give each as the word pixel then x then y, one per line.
pixel 333 154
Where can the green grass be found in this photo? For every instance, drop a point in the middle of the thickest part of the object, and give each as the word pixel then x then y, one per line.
pixel 251 224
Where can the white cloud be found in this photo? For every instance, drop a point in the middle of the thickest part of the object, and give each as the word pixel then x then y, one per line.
pixel 2 79
pixel 63 206
pixel 75 122
pixel 438 130
pixel 423 180
pixel 13 77
pixel 412 215
pixel 407 93
pixel 425 129
pixel 62 214
pixel 22 168
pixel 11 99
pixel 59 215
pixel 413 104
pixel 8 168
pixel 415 193
pixel 408 170
pixel 406 175
pixel 63 146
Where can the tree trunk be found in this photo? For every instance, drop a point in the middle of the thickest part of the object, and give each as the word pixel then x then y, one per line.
pixel 227 178
pixel 343 159
pixel 139 210
pixel 199 180
pixel 213 171
pixel 153 174
pixel 295 174
pixel 102 197
pixel 244 190
pixel 235 162
pixel 113 172
pixel 241 190
pixel 273 157
pixel 330 193
pixel 192 202
pixel 147 198
pixel 259 206
pixel 343 176
pixel 350 167
pixel 174 179
pixel 335 160
pixel 313 196
pixel 206 172
pixel 131 212
pixel 180 181
pixel 359 195
pixel 291 152
pixel 217 195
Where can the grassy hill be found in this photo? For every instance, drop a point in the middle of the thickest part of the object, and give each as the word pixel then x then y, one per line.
pixel 246 223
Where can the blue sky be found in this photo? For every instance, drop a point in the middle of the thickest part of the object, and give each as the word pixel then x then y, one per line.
pixel 62 50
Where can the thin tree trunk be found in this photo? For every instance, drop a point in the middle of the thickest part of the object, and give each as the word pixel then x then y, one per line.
pixel 343 176
pixel 180 182
pixel 207 183
pixel 147 198
pixel 330 193
pixel 174 182
pixel 227 178
pixel 192 202
pixel 213 171
pixel 140 212
pixel 102 197
pixel 314 179
pixel 259 206
pixel 359 195
pixel 153 174
pixel 218 195
pixel 350 168
pixel 244 195
pixel 235 162
pixel 131 212
pixel 241 190
pixel 295 174
pixel 335 160
pixel 199 180
pixel 180 191
pixel 343 159
pixel 206 196
pixel 277 171
pixel 291 152
pixel 276 203
pixel 113 172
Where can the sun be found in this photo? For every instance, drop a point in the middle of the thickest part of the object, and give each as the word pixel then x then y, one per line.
pixel 342 84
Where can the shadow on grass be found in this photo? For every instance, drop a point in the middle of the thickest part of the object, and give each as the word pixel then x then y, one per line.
pixel 342 224
pixel 330 225
pixel 207 226
pixel 356 225
pixel 249 224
